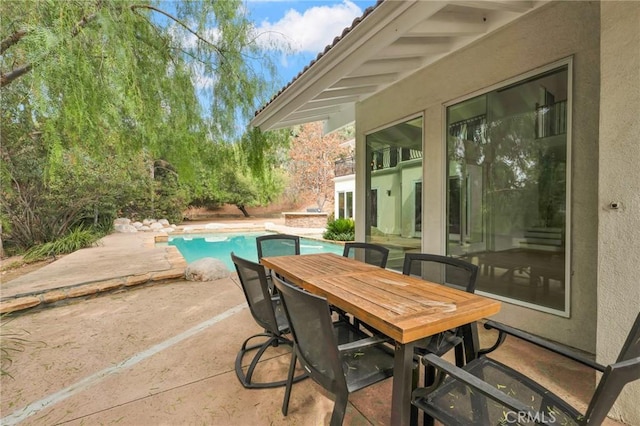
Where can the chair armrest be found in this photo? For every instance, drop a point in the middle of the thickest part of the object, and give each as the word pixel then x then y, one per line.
pixel 473 382
pixel 363 343
pixel 538 341
pixel 629 368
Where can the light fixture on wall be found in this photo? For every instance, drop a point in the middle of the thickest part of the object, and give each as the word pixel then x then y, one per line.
pixel 388 192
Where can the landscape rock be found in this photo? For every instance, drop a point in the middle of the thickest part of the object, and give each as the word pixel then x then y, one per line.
pixel 125 225
pixel 124 228
pixel 206 269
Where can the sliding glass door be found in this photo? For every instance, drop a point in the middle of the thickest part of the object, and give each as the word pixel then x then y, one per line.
pixel 507 194
pixel 394 189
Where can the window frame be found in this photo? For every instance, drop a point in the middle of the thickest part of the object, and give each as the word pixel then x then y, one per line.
pixel 518 79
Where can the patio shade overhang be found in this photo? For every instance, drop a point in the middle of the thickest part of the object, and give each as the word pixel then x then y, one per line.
pixel 390 41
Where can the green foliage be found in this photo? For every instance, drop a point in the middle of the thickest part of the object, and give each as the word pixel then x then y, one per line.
pixel 98 97
pixel 340 230
pixel 75 240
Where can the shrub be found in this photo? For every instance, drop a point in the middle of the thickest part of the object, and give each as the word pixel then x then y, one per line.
pixel 340 230
pixel 78 238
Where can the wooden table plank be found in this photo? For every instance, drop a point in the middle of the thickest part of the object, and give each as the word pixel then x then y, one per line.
pixel 302 267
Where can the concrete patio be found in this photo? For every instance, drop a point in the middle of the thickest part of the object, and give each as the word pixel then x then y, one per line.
pixel 163 352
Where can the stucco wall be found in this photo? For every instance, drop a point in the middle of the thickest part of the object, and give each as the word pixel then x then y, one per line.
pixel 619 230
pixel 553 32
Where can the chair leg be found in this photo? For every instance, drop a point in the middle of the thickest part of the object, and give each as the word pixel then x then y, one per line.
pixel 429 379
pixel 459 352
pixel 415 378
pixel 273 341
pixel 246 378
pixel 339 409
pixel 470 342
pixel 287 391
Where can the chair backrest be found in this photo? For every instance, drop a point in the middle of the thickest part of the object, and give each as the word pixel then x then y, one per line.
pixel 442 269
pixel 277 245
pixel 372 254
pixel 256 290
pixel 312 329
pixel 615 377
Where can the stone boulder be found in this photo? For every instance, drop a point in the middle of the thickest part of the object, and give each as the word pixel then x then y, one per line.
pixel 122 224
pixel 206 269
pixel 119 227
pixel 156 226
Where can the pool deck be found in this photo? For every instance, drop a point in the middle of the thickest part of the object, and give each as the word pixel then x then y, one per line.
pixel 164 354
pixel 117 262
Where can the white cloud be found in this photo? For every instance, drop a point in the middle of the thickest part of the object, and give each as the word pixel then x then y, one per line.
pixel 310 31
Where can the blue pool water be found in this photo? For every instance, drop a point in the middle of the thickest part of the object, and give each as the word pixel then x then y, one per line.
pixel 220 245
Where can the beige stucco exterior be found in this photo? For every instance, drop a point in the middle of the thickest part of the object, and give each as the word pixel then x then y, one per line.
pixel 540 38
pixel 605 152
pixel 600 43
pixel 618 292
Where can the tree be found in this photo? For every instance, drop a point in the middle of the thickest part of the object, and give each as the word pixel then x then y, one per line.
pixel 313 157
pixel 248 176
pixel 113 88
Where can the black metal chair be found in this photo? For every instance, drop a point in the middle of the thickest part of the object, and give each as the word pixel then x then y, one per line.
pixel 268 313
pixel 372 254
pixel 277 245
pixel 486 391
pixel 338 356
pixel 454 273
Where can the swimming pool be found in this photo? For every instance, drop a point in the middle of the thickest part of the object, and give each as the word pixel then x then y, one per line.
pixel 220 245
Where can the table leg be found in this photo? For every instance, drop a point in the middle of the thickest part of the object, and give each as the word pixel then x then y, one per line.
pixel 402 412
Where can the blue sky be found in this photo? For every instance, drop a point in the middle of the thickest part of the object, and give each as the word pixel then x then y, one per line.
pixel 305 26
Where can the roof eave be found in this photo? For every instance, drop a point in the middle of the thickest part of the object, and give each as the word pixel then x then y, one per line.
pixel 336 62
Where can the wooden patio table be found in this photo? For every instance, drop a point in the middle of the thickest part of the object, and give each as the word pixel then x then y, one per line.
pixel 404 308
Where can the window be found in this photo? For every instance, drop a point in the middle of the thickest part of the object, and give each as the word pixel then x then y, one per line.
pixel 345 204
pixel 394 188
pixel 507 188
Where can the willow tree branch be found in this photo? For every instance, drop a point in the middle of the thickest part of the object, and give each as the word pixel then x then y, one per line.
pixel 178 21
pixel 11 40
pixel 7 78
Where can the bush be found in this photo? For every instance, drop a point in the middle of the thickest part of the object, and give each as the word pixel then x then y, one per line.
pixel 78 238
pixel 340 230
